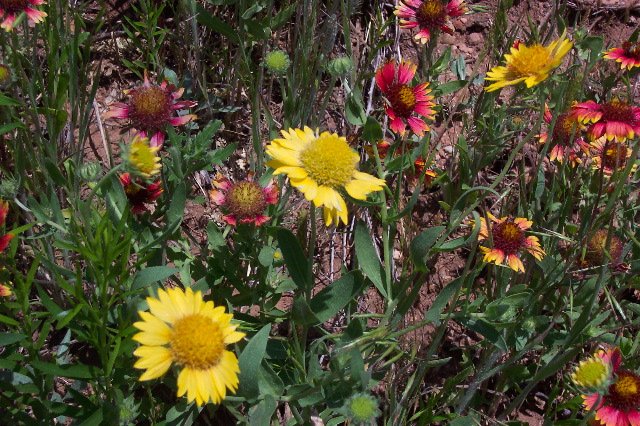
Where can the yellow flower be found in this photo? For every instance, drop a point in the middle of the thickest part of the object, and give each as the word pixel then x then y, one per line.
pixel 143 158
pixel 591 373
pixel 321 166
pixel 531 64
pixel 182 328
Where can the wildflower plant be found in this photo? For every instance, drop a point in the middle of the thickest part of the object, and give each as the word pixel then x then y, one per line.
pixel 183 277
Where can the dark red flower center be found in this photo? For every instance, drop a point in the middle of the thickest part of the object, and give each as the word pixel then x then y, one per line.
pixel 624 394
pixel 631 49
pixel 508 237
pixel 150 107
pixel 614 155
pixel 618 111
pixel 245 199
pixel 13 6
pixel 431 14
pixel 565 130
pixel 402 99
pixel 597 249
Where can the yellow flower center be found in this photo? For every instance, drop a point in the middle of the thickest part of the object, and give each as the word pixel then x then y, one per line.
pixel 329 161
pixel 431 14
pixel 508 237
pixel 591 373
pixel 402 99
pixel 143 158
pixel 528 61
pixel 12 6
pixel 624 394
pixel 245 199
pixel 150 107
pixel 197 342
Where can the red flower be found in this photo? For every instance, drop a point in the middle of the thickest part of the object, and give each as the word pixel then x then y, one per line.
pixel 139 193
pixel 151 108
pixel 508 239
pixel 243 201
pixel 619 406
pixel 609 155
pixel 10 9
pixel 5 290
pixel 628 56
pixel 6 238
pixel 428 16
pixel 614 119
pixel 420 167
pixel 566 137
pixel 383 148
pixel 403 100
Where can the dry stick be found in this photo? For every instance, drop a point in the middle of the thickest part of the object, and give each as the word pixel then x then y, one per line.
pixel 103 135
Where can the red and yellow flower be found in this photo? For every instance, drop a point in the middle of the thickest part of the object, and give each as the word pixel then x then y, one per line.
pixel 420 167
pixel 619 404
pixel 428 16
pixel 609 155
pixel 628 56
pixel 614 119
pixel 405 104
pixel 508 239
pixel 566 137
pixel 151 107
pixel 243 201
pixel 5 290
pixel 6 238
pixel 11 9
pixel 140 193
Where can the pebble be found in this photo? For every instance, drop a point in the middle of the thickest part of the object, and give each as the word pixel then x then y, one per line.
pixel 475 38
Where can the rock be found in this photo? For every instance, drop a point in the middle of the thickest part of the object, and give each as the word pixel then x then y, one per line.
pixel 475 38
pixel 447 39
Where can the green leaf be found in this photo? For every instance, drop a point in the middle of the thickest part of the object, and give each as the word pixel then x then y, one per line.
pixel 152 274
pixel 445 295
pixel 450 87
pixel 7 101
pixel 216 24
pixel 75 371
pixel 294 258
pixel 422 244
pixel 368 258
pixel 354 109
pixel 260 415
pixel 178 202
pixel 250 360
pixel 328 302
pixel 372 132
pixel 9 338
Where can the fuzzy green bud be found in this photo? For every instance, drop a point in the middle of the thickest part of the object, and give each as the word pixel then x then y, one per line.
pixel 277 62
pixel 361 408
pixel 8 188
pixel 340 66
pixel 89 172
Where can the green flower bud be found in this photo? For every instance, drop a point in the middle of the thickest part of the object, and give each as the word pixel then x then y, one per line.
pixel 277 62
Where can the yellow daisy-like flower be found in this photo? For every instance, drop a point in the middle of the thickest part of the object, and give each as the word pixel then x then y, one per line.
pixel 531 64
pixel 182 328
pixel 592 373
pixel 321 166
pixel 143 158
